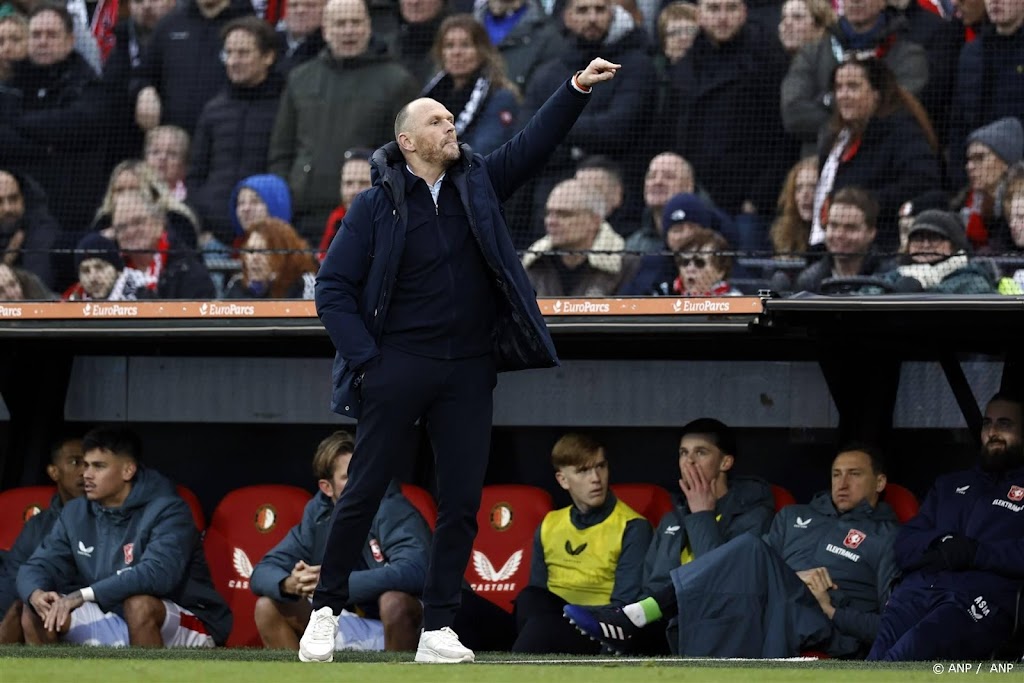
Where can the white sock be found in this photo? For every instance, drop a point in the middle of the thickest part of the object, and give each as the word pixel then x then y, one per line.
pixel 635 612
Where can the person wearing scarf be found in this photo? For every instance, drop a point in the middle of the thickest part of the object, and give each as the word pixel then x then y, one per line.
pixel 991 151
pixel 472 84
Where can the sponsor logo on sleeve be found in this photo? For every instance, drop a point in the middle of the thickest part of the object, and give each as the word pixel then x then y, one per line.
pixel 378 556
pixel 962 490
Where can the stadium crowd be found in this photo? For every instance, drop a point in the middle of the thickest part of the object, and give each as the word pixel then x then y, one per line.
pixel 209 148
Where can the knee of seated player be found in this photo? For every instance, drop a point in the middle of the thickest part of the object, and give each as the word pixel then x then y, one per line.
pixel 267 610
pixel 143 610
pixel 399 608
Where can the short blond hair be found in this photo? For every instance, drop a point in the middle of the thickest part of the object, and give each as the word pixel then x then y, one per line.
pixel 575 450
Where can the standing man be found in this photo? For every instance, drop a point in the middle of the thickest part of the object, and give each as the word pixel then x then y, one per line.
pixel 423 308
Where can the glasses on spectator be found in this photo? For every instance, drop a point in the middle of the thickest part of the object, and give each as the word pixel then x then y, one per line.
pixel 563 213
pixel 685 261
pixel 978 157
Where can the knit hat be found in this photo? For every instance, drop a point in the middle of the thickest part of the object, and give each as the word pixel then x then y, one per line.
pixel 95 245
pixel 686 208
pixel 942 223
pixel 932 199
pixel 272 189
pixel 1004 137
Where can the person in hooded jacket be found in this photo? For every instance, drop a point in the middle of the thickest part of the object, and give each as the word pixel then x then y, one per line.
pixel 962 555
pixel 233 132
pixel 817 580
pixel 132 547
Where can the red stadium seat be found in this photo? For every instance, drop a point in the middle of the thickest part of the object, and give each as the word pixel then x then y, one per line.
pixel 902 501
pixel 782 497
pixel 423 502
pixel 650 500
pixel 500 565
pixel 17 506
pixel 246 524
pixel 194 505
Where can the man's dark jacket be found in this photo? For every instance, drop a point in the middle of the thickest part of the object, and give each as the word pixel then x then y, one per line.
pixel 357 279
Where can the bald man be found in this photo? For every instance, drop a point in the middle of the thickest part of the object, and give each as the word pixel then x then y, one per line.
pixel 425 300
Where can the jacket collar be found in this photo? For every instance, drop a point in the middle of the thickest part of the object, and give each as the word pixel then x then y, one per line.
pixel 607 240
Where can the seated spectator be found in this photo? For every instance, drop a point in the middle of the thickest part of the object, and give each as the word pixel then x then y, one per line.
pixel 817 580
pixel 299 34
pixel 170 269
pixel 677 29
pixel 703 266
pixel 932 199
pixel 849 240
pixel 879 140
pixel 605 175
pixel 682 216
pixel 525 36
pixel 181 69
pixel 1013 242
pixel 804 22
pixel 21 285
pixel 991 151
pixel 668 174
pixel 411 32
pixel 27 230
pixel 276 264
pixel 102 273
pixel 383 591
pixel 961 556
pixel 713 506
pixel 130 518
pixel 166 151
pixel 791 231
pixel 355 177
pixel 134 175
pixel 65 470
pixel 937 258
pixel 258 197
pixel 233 132
pixel 574 222
pixel 13 40
pixel 865 27
pixel 591 552
pixel 472 84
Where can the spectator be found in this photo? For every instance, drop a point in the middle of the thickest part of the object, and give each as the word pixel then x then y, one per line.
pixel 937 258
pixel 807 90
pixel 355 177
pixel 472 84
pixel 412 34
pixel 667 175
pixel 1013 241
pixel 300 34
pixel 55 133
pixel 394 566
pixel 682 217
pixel 319 117
pixel 703 266
pixel 987 82
pixel 562 571
pixel 181 70
pixel 804 22
pixel 713 506
pixel 880 140
pixel 969 18
pixel 615 120
pixel 102 274
pixel 726 113
pixel 27 230
pixel 233 132
pixel 132 174
pixel 677 29
pixel 13 40
pixel 791 231
pixel 21 285
pixel 132 37
pixel 65 470
pixel 961 555
pixel 817 580
pixel 991 151
pixel 258 197
pixel 524 35
pixel 604 174
pixel 850 242
pixel 166 152
pixel 932 199
pixel 593 264
pixel 276 264
pixel 170 270
pixel 130 517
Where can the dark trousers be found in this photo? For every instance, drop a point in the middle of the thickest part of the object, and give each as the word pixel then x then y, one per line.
pixel 921 623
pixel 454 398
pixel 543 629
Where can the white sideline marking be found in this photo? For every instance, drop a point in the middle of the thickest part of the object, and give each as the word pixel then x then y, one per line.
pixel 637 660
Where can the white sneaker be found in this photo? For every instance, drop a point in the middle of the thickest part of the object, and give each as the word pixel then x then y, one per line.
pixel 442 647
pixel 317 643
